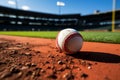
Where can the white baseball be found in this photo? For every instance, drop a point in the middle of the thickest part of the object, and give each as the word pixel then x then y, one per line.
pixel 69 41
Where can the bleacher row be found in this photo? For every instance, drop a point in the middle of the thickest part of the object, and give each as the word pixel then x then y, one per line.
pixel 15 19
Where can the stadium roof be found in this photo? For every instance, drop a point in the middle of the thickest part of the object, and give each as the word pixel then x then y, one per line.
pixel 7 10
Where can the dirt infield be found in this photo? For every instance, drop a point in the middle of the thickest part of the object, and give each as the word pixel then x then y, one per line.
pixel 23 58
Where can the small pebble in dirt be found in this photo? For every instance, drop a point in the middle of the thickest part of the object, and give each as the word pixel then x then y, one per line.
pixel 28 64
pixel 79 69
pixel 83 63
pixel 71 62
pixel 107 78
pixel 24 67
pixel 27 43
pixel 28 54
pixel 6 74
pixel 42 70
pixel 19 75
pixel 89 67
pixel 89 64
pixel 2 63
pixel 57 50
pixel 60 62
pixel 52 56
pixel 53 76
pixel 29 73
pixel 14 70
pixel 96 63
pixel 18 45
pixel 49 51
pixel 56 55
pixel 37 71
pixel 37 52
pixel 33 64
pixel 47 62
pixel 34 74
pixel 84 75
pixel 49 55
pixel 26 48
pixel 61 69
pixel 68 76
pixel 14 51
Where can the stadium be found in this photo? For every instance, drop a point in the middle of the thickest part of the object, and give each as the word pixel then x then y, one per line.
pixel 41 42
pixel 15 19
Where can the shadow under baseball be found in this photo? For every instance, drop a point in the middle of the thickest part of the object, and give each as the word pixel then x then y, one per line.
pixel 97 56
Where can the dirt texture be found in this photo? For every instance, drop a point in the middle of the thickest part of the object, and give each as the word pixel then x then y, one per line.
pixel 24 58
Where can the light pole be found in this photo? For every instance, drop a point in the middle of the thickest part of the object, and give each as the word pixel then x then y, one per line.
pixel 15 2
pixel 16 5
pixel 59 10
pixel 16 11
pixel 113 15
pixel 60 4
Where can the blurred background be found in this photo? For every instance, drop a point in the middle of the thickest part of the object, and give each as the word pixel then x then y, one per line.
pixel 59 14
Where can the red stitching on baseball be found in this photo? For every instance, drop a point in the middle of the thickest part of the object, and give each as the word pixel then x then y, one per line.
pixel 65 42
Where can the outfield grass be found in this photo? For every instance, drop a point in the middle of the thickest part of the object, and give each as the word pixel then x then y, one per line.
pixel 107 37
pixel 39 34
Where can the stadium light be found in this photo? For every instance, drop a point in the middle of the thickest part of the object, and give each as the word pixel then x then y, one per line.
pixel 60 4
pixel 113 15
pixel 25 7
pixel 15 2
pixel 11 2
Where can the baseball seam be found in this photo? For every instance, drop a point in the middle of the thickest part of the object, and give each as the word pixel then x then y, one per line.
pixel 65 41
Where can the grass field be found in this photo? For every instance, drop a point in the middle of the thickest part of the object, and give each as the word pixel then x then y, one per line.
pixel 107 37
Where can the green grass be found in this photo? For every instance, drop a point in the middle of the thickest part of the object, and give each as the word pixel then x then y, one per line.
pixel 107 37
pixel 40 34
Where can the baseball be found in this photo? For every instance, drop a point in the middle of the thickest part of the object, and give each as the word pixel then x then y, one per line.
pixel 69 41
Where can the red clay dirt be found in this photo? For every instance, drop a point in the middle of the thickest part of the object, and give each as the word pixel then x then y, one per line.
pixel 23 58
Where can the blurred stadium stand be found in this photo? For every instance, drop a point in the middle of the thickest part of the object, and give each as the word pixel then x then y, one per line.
pixel 15 19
